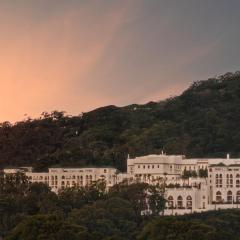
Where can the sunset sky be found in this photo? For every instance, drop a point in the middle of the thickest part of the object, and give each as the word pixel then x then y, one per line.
pixel 79 55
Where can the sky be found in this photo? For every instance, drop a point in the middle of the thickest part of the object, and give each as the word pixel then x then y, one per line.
pixel 77 55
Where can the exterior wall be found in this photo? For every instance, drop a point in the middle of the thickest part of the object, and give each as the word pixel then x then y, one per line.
pixel 169 169
pixel 224 184
pixel 220 190
pixel 155 168
pixel 17 170
pixel 59 178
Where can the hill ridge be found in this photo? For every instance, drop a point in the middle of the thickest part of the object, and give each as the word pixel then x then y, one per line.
pixel 201 122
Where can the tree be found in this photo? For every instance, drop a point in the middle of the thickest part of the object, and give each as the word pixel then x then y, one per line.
pixel 162 229
pixel 41 227
pixel 203 173
pixel 156 199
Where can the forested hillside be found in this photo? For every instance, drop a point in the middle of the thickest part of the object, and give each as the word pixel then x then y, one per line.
pixel 34 212
pixel 202 122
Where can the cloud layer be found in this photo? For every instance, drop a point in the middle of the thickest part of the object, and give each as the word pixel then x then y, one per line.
pixel 79 55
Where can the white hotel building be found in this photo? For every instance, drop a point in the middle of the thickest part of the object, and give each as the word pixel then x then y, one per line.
pixel 220 190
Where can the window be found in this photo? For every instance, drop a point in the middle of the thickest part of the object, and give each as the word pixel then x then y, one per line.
pixel 229 196
pixel 237 183
pixel 218 196
pixel 179 202
pixel 170 201
pixel 152 166
pixel 138 166
pixel 238 196
pixel 189 202
pixel 229 180
pixel 218 180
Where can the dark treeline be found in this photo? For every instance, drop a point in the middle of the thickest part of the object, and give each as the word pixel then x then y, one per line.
pixel 33 212
pixel 202 122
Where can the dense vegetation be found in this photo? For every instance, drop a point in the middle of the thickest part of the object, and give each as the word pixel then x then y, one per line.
pixel 33 212
pixel 202 122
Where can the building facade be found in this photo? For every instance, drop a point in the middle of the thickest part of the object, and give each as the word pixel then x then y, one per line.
pixel 60 178
pixel 219 189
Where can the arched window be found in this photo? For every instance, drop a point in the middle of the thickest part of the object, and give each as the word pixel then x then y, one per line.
pixel 189 202
pixel 218 196
pixel 63 177
pixel 180 202
pixel 73 177
pixel 63 183
pixel 170 201
pixel 238 196
pixel 237 176
pixel 229 196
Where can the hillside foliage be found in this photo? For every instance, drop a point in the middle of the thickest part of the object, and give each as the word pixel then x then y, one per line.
pixel 202 122
pixel 33 212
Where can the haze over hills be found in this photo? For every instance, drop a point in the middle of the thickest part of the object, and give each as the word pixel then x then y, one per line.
pixel 202 122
